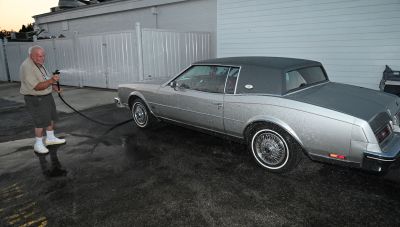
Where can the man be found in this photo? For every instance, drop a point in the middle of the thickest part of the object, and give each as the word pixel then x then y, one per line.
pixel 37 86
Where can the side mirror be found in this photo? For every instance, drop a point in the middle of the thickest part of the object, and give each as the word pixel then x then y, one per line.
pixel 173 84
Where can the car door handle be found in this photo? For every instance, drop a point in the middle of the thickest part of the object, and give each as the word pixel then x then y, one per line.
pixel 220 105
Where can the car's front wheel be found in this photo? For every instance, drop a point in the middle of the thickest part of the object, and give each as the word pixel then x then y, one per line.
pixel 141 114
pixel 273 148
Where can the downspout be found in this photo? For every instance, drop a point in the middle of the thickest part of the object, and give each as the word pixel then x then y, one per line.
pixel 4 43
pixel 154 11
pixel 139 51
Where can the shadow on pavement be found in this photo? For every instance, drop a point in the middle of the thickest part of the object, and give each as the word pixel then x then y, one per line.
pixel 54 169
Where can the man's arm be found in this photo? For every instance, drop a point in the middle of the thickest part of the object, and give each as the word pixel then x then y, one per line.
pixel 45 84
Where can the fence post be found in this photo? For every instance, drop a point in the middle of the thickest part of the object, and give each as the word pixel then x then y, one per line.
pixel 105 62
pixel 4 43
pixel 139 51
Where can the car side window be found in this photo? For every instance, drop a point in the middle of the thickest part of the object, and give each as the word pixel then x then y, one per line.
pixel 294 80
pixel 303 77
pixel 204 78
pixel 231 80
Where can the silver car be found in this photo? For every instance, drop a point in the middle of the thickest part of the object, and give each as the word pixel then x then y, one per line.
pixel 281 107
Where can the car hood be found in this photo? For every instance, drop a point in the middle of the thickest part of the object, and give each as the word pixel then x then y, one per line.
pixel 160 81
pixel 156 81
pixel 356 101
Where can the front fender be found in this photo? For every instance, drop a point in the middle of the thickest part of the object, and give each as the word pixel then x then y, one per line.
pixel 137 94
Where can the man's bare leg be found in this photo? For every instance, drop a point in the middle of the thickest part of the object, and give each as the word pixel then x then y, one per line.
pixel 39 132
pixel 39 146
pixel 51 139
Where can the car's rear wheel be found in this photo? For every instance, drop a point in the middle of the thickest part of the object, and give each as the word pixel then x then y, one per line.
pixel 141 114
pixel 273 148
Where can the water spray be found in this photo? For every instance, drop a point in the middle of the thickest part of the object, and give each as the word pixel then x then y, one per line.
pixel 70 71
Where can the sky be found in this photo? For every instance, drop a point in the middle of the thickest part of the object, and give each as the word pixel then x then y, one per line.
pixel 15 13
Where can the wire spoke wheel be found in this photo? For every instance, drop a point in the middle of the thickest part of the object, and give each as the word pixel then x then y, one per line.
pixel 273 148
pixel 140 114
pixel 270 148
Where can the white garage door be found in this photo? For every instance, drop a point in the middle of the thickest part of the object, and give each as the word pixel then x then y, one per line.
pixel 353 39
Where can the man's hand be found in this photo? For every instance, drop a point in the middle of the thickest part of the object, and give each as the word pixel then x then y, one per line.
pixel 55 88
pixel 56 77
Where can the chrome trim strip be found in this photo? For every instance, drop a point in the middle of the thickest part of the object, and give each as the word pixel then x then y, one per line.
pixel 176 76
pixel 392 82
pixel 237 79
pixel 200 113
pixel 220 65
pixel 306 88
pixel 379 159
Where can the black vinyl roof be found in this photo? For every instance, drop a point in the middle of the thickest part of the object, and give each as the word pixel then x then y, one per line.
pixel 267 62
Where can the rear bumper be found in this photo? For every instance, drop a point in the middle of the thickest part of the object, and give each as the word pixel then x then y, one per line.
pixel 379 164
pixel 388 158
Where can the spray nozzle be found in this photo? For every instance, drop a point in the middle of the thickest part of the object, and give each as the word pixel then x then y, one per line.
pixel 57 72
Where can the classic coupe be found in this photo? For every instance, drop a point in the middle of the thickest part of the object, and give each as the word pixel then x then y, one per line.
pixel 282 108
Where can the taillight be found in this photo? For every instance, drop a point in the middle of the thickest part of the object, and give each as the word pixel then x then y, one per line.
pixel 383 133
pixel 338 156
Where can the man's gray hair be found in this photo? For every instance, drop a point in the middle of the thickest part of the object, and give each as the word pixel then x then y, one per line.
pixel 33 48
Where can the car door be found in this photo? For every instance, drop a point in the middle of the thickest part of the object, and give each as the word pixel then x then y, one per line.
pixel 167 103
pixel 200 96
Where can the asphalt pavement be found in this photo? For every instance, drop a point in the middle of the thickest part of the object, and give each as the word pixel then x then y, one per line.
pixel 168 176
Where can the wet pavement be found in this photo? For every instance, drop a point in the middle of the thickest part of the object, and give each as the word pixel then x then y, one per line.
pixel 171 176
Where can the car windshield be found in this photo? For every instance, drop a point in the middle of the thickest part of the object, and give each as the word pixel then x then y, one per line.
pixel 303 77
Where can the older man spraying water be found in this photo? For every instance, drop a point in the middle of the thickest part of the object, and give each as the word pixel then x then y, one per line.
pixel 37 86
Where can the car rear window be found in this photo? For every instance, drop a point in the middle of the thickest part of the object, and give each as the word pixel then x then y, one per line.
pixel 299 78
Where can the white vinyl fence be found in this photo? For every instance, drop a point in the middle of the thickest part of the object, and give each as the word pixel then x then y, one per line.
pixel 107 60
pixel 16 53
pixel 167 52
